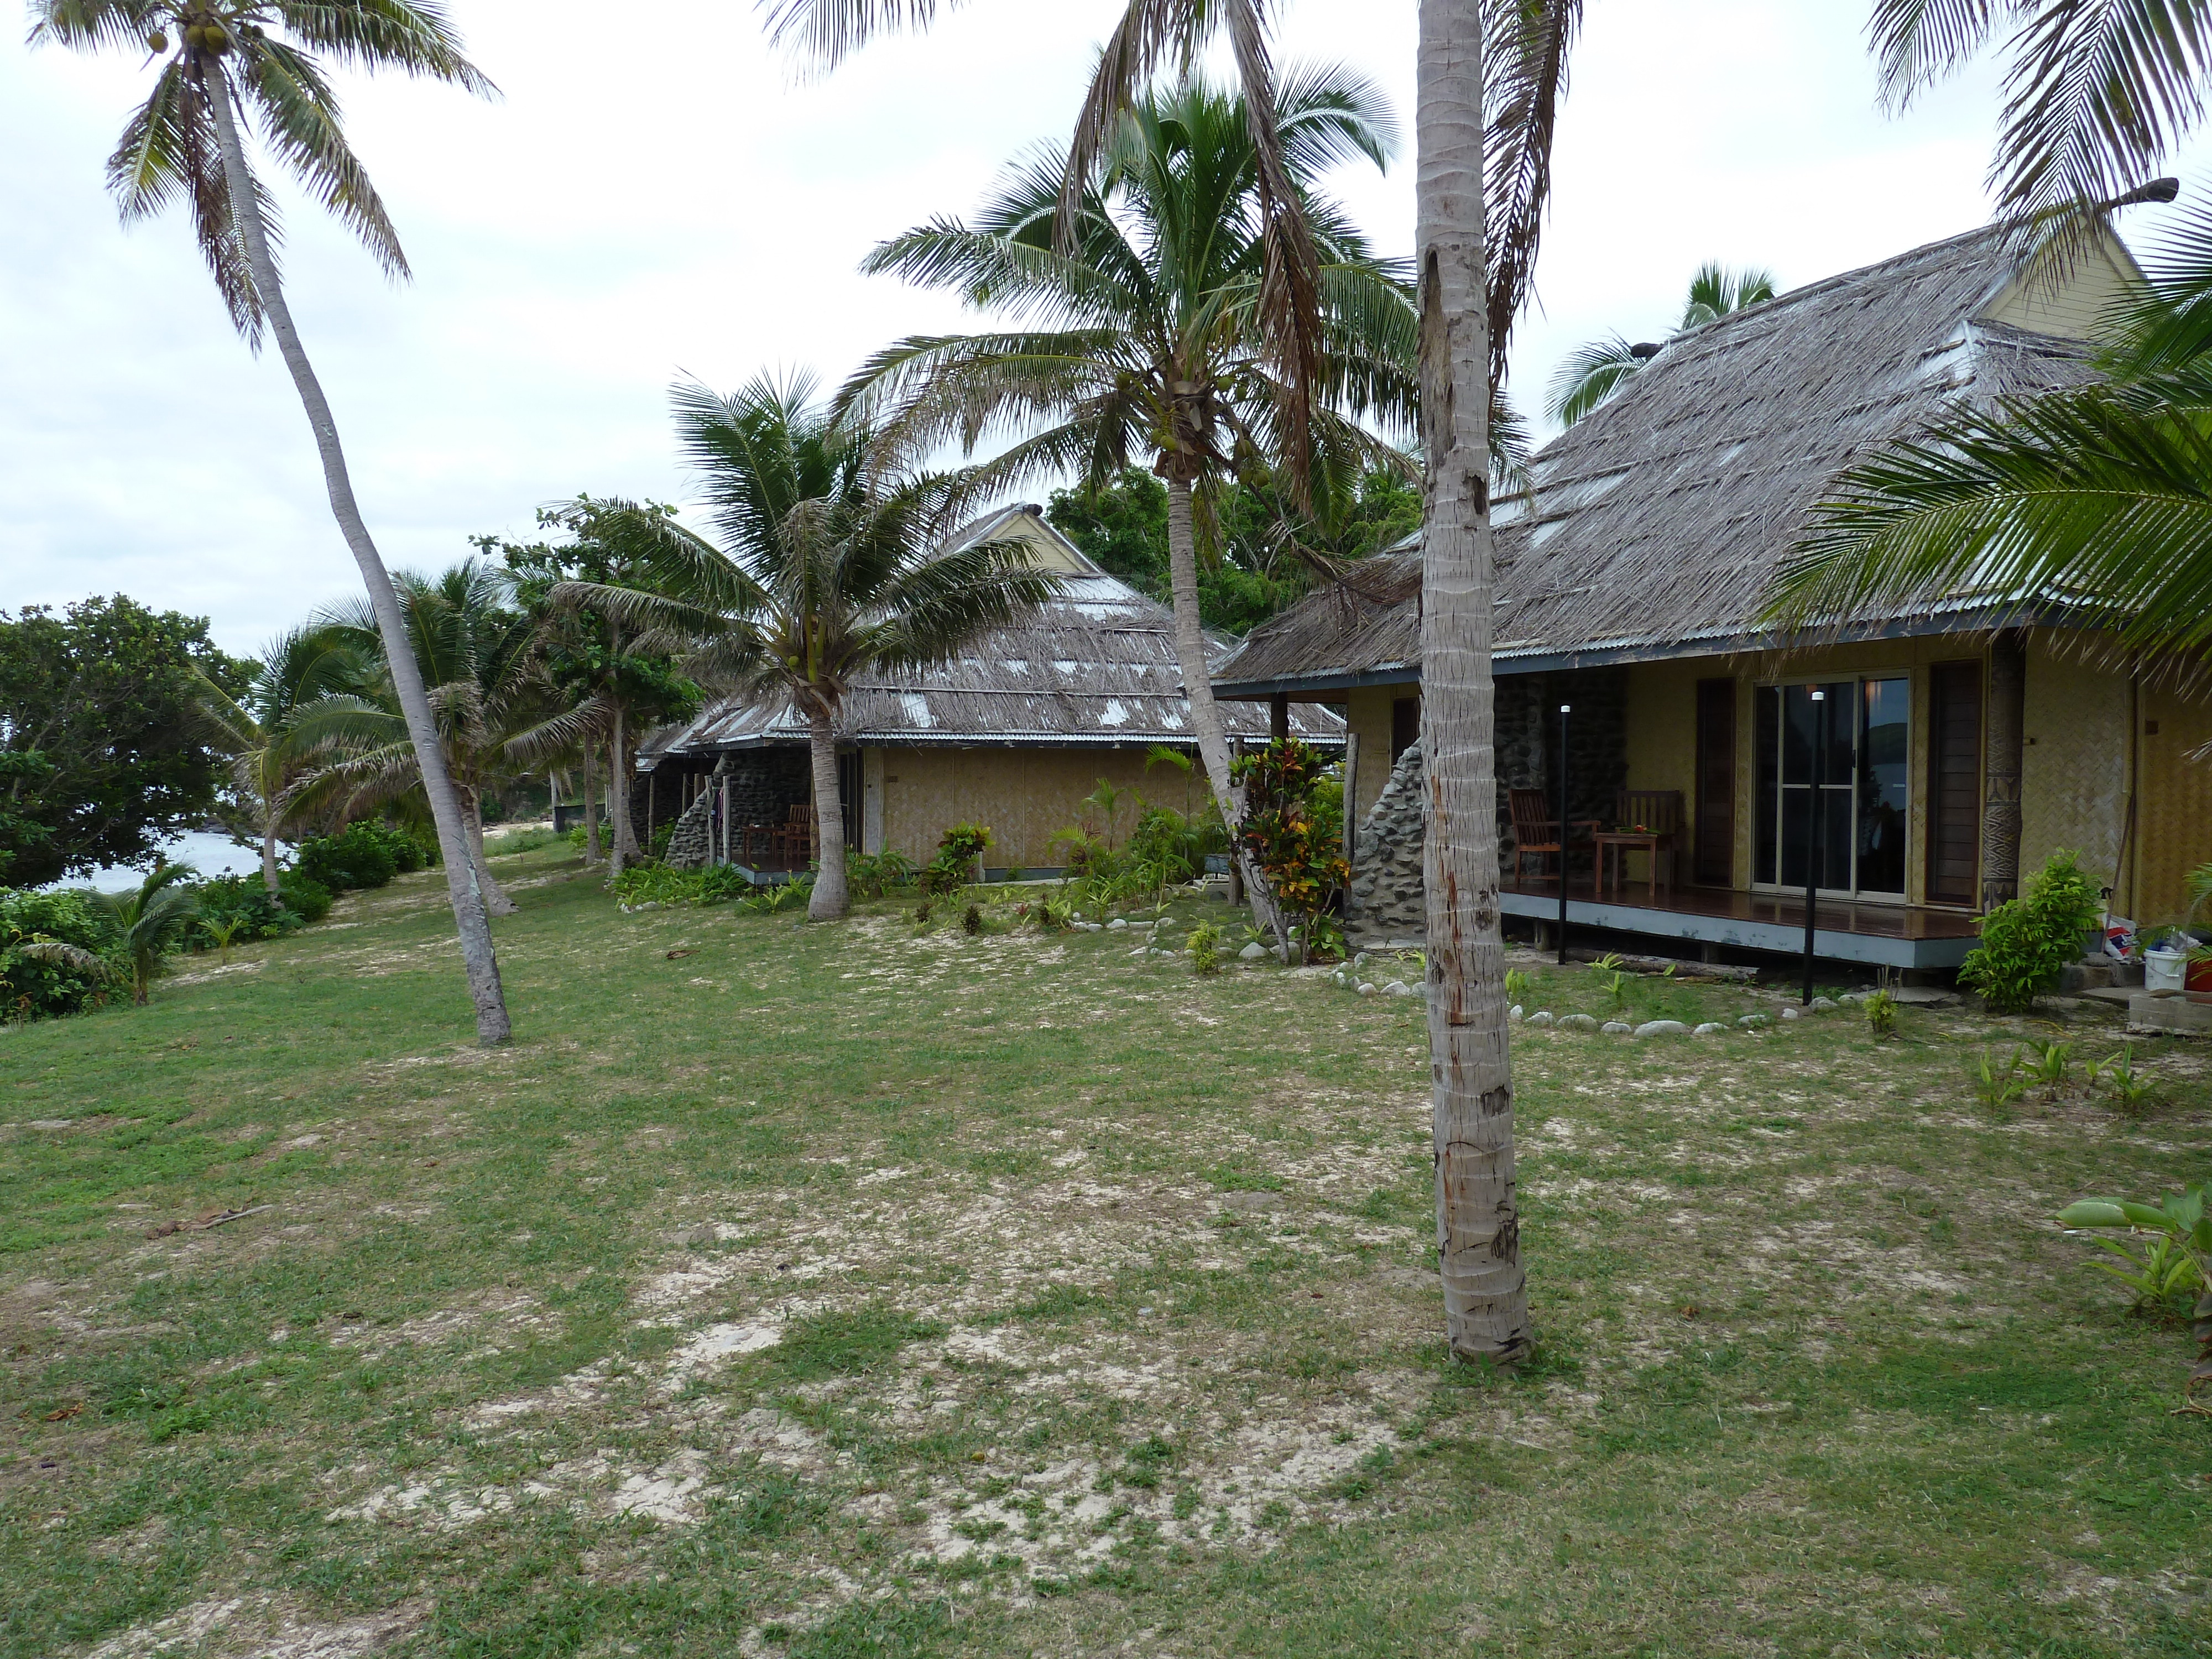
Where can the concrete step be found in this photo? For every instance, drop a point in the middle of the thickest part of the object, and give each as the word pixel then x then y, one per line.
pixel 2170 1012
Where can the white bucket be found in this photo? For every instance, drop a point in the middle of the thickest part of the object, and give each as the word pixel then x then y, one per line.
pixel 2165 969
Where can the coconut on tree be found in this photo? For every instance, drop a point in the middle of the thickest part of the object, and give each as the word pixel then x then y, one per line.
pixel 230 76
pixel 826 565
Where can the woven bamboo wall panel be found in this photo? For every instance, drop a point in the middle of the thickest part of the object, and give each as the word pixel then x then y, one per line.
pixel 2177 802
pixel 1367 712
pixel 1662 727
pixel 2074 764
pixel 1024 795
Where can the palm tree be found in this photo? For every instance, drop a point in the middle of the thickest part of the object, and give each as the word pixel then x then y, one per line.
pixel 1596 371
pixel 1146 339
pixel 478 656
pixel 826 570
pixel 149 922
pixel 1492 75
pixel 225 64
pixel 304 697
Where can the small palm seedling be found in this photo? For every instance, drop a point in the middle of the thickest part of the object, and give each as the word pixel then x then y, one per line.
pixel 1997 1086
pixel 1611 963
pixel 2051 1065
pixel 1616 987
pixel 1517 985
pixel 151 922
pixel 1882 1014
pixel 2132 1090
pixel 2175 1258
pixel 222 930
pixel 1205 947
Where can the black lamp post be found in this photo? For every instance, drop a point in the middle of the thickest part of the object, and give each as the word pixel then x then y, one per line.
pixel 1813 828
pixel 1565 709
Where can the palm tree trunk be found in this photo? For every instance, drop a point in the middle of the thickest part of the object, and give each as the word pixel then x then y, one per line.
pixel 1478 1219
pixel 624 765
pixel 268 877
pixel 830 900
pixel 592 853
pixel 1205 712
pixel 495 898
pixel 469 918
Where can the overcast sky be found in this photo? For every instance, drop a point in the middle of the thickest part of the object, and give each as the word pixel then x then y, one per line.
pixel 649 201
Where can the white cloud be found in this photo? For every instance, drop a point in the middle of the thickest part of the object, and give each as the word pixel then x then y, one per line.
pixel 645 201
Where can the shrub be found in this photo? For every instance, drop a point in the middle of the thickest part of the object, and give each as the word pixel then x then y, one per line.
pixel 2027 941
pixel 245 906
pixel 57 954
pixel 972 920
pixel 1205 947
pixel 657 884
pixel 1881 1013
pixel 965 841
pixel 359 856
pixel 304 897
pixel 876 875
pixel 1303 865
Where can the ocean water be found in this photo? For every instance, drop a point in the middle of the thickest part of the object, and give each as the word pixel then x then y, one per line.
pixel 210 854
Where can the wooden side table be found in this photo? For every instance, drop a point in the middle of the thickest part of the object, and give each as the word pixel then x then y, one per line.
pixel 1614 846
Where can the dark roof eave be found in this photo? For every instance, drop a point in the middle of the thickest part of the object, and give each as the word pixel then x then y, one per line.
pixel 1593 655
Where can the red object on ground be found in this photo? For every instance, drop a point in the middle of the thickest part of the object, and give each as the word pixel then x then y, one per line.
pixel 2199 979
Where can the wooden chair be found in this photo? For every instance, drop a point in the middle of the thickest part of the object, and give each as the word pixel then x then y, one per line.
pixel 1536 832
pixel 798 838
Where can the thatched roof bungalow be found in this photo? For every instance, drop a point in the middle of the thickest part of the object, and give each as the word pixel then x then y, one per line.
pixel 1013 732
pixel 1630 586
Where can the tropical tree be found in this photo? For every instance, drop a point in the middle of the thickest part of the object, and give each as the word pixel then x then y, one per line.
pixel 150 922
pixel 614 692
pixel 304 697
pixel 478 653
pixel 827 569
pixel 1492 75
pixel 227 69
pixel 1145 340
pixel 1596 371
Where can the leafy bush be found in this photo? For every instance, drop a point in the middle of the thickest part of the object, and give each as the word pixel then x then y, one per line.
pixel 2027 941
pixel 657 884
pixel 244 905
pixel 304 897
pixel 57 955
pixel 529 841
pixel 965 841
pixel 1205 947
pixel 1303 865
pixel 877 875
pixel 1881 1013
pixel 361 855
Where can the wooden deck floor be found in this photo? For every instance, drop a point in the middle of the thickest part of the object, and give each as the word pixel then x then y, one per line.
pixel 1893 935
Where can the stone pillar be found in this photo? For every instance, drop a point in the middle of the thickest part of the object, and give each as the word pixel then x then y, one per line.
pixel 2001 767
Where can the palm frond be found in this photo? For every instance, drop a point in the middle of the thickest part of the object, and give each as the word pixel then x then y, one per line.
pixel 1526 47
pixel 300 120
pixel 2097 501
pixel 1591 374
pixel 826 31
pixel 416 37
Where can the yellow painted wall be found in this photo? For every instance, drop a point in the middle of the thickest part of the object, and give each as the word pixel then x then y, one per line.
pixel 2071 307
pixel 1024 795
pixel 1367 713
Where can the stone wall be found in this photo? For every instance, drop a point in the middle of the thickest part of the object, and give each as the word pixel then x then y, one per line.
pixel 1386 899
pixel 764 785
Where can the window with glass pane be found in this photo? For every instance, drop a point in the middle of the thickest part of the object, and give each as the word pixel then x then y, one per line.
pixel 1884 785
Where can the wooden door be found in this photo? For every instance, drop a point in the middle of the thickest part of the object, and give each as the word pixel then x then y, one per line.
pixel 1954 781
pixel 1713 864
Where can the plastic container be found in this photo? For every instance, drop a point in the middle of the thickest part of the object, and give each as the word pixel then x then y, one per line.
pixel 2165 968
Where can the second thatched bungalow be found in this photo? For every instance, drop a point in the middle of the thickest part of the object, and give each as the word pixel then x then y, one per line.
pixel 1013 734
pixel 1630 588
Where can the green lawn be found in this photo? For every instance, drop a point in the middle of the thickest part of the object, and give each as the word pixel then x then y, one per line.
pixel 876 1290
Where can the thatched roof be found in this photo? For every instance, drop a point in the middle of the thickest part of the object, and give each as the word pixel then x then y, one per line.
pixel 1095 667
pixel 1658 520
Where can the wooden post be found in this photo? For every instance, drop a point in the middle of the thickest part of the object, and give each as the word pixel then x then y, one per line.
pixel 1236 869
pixel 2001 767
pixel 726 819
pixel 1351 796
pixel 1278 717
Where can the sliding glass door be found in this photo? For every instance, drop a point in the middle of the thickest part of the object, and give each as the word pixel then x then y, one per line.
pixel 1848 759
